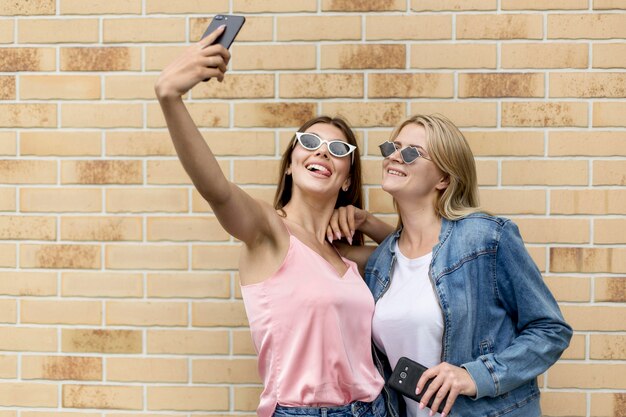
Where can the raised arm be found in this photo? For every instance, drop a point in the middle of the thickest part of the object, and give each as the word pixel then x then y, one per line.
pixel 239 214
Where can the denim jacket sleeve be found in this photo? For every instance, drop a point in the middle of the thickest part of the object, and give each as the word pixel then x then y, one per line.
pixel 542 333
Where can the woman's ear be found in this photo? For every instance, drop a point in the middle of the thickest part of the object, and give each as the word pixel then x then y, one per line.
pixel 346 184
pixel 443 183
pixel 288 170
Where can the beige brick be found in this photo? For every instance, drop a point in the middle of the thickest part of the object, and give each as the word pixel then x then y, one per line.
pixel 487 172
pixel 28 283
pixel 8 143
pixel 7 29
pixel 62 368
pixel 60 414
pixel 262 6
pixel 42 7
pixel 143 30
pixel 139 143
pixel 247 398
pixel 609 114
pixel 25 339
pixel 242 343
pixel 363 56
pixel 501 85
pixel 172 172
pixel 220 371
pixel 228 313
pixel 237 86
pixel 186 6
pixel 27 172
pixel 545 55
pixel 187 342
pixel 7 88
pixel 98 7
pixel 607 404
pixel 580 84
pixel 554 230
pixel 103 396
pixel 612 289
pixel 571 375
pixel 7 199
pixel 370 114
pixel 60 87
pixel 8 311
pixel 101 228
pixel 382 27
pixel 450 56
pixel 544 114
pixel 513 201
pixel 58 31
pixel 273 114
pixel 576 348
pixel 463 114
pixel 146 370
pixel 570 404
pixel 60 256
pixel 59 143
pixel 411 85
pixel 588 202
pixel 101 341
pixel 101 115
pixel 145 257
pixel 315 28
pixel 363 6
pixel 101 172
pixel 28 115
pixel 609 172
pixel 542 5
pixel 256 171
pixel 8 253
pixel 597 143
pixel 595 318
pixel 608 4
pixel 188 398
pixel 321 85
pixel 158 57
pixel 574 289
pixel 503 26
pixel 27 227
pixel 609 231
pixel 27 59
pixel 572 259
pixel 185 229
pixel 452 5
pixel 60 200
pixel 15 394
pixel 189 285
pixel 505 143
pixel 256 29
pixel 100 59
pixel 273 57
pixel 135 313
pixel 60 312
pixel 586 26
pixel 98 284
pixel 609 55
pixel 8 367
pixel 129 87
pixel 137 200
pixel 607 346
pixel 215 257
pixel 544 172
pixel 204 114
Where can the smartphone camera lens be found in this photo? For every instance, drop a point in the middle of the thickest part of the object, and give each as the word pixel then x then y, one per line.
pixel 402 375
pixel 219 17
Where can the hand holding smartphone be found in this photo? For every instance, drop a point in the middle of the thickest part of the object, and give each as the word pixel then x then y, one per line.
pixel 404 379
pixel 233 25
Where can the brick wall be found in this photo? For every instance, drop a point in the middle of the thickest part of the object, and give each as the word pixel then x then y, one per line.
pixel 118 288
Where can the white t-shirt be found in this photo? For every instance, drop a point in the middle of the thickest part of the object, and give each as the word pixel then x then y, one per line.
pixel 408 320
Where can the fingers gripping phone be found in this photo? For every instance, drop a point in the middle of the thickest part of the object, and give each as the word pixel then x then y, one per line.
pixel 233 26
pixel 404 380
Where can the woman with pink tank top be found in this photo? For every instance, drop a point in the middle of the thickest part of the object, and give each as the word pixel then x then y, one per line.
pixel 310 311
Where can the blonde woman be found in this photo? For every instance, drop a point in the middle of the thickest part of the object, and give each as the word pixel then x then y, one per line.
pixel 455 288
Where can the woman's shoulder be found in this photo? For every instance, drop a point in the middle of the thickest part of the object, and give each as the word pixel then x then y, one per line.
pixel 480 227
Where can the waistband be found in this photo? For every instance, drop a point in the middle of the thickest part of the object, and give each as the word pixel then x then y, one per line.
pixel 356 409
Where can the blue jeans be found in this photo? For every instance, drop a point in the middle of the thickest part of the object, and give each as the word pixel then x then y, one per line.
pixel 356 409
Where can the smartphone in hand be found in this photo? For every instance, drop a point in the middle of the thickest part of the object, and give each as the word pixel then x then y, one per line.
pixel 233 26
pixel 404 380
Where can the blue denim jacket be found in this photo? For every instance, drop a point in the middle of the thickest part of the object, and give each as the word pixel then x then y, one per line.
pixel 501 323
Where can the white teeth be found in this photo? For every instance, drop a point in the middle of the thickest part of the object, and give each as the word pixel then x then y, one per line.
pixel 316 167
pixel 394 172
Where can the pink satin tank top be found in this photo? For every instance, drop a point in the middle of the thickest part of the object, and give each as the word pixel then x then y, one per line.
pixel 312 332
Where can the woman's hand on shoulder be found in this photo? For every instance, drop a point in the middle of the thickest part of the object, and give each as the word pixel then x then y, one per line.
pixel 344 222
pixel 199 62
pixel 448 380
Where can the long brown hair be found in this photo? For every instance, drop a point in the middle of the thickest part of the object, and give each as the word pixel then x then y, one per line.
pixel 354 194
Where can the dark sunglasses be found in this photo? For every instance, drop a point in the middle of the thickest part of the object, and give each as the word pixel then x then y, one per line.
pixel 336 147
pixel 408 154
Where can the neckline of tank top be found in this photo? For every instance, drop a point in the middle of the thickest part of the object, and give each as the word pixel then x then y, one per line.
pixel 331 266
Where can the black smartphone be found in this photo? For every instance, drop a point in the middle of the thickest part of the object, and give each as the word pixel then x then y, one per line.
pixel 233 26
pixel 404 380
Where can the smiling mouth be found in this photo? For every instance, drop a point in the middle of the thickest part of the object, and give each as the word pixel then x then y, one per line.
pixel 396 173
pixel 319 169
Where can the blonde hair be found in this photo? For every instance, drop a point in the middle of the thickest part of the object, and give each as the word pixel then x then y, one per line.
pixel 449 151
